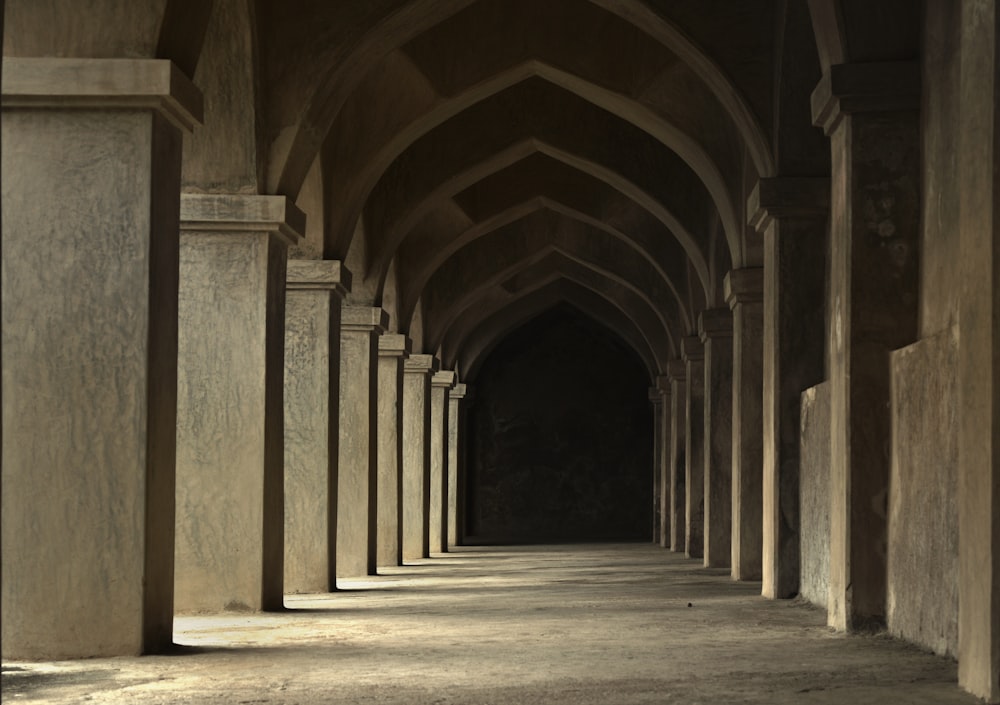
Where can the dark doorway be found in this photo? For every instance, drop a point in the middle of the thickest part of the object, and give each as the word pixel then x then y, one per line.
pixel 560 437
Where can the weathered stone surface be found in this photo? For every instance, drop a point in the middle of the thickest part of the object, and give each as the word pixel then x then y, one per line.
pixel 814 495
pixel 393 349
pixel 874 272
pixel 230 411
pixel 792 214
pixel 716 330
pixel 89 302
pixel 978 368
pixel 417 371
pixel 922 593
pixel 678 453
pixel 694 436
pixel 357 468
pixel 656 401
pixel 437 518
pixel 745 293
pixel 314 293
pixel 456 462
pixel 662 432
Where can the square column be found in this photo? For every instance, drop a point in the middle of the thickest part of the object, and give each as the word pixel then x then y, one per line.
pixel 694 485
pixel 663 470
pixel 871 113
pixel 715 327
pixel 677 372
pixel 456 460
pixel 437 521
pixel 656 399
pixel 393 349
pixel 314 293
pixel 745 294
pixel 979 354
pixel 91 160
pixel 792 215
pixel 230 408
pixel 357 471
pixel 417 372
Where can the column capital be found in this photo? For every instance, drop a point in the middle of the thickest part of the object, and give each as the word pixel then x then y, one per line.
pixel 787 197
pixel 663 384
pixel 237 214
pixel 82 84
pixel 318 274
pixel 715 323
pixel 445 379
pixel 394 345
pixel 744 286
pixel 865 88
pixel 692 349
pixel 363 319
pixel 421 364
pixel 458 391
pixel 676 370
pixel 655 396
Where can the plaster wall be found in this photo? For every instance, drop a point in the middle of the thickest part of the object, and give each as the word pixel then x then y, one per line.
pixel 814 495
pixel 922 592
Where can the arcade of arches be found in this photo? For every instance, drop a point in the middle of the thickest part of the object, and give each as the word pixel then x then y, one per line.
pixel 281 281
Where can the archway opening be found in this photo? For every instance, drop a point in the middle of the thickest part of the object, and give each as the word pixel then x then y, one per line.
pixel 560 437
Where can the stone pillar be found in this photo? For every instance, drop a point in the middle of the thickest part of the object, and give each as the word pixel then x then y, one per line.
pixel 663 470
pixel 314 294
pixel 91 153
pixel 677 372
pixel 456 460
pixel 656 399
pixel 357 472
pixel 979 352
pixel 437 518
pixel 230 407
pixel 694 485
pixel 715 327
pixel 745 295
pixel 792 215
pixel 393 349
pixel 417 372
pixel 870 112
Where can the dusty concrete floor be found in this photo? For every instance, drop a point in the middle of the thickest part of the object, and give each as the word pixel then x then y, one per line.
pixel 577 624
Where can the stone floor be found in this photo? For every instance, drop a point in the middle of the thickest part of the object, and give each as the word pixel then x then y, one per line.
pixel 569 624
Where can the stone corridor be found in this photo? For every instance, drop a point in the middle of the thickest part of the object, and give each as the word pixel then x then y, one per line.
pixel 553 625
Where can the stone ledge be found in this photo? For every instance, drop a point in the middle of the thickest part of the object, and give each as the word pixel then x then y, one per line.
pixel 421 364
pixel 236 213
pixel 787 197
pixel 363 319
pixel 715 323
pixel 320 274
pixel 663 384
pixel 655 396
pixel 444 379
pixel 692 349
pixel 677 370
pixel 102 84
pixel 744 286
pixel 394 345
pixel 865 88
pixel 459 391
